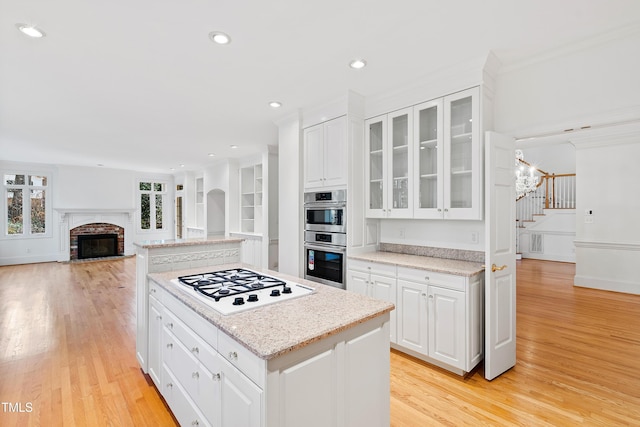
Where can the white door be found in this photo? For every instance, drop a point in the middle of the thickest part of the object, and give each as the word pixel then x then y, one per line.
pixel 500 256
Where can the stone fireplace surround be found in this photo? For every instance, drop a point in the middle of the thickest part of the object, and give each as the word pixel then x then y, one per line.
pixel 94 221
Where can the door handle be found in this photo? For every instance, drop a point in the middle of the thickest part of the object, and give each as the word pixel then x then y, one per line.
pixel 496 268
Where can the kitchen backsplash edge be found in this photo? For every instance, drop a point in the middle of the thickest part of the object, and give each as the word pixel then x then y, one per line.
pixel 447 253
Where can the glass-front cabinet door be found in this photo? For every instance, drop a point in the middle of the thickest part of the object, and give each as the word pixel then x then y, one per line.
pixel 428 157
pixel 400 194
pixel 376 141
pixel 463 179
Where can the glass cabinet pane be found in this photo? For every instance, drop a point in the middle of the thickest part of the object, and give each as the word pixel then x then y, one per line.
pixel 428 157
pixel 400 172
pixel 375 165
pixel 461 152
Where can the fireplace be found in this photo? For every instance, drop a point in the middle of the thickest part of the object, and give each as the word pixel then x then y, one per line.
pixel 97 245
pixel 96 240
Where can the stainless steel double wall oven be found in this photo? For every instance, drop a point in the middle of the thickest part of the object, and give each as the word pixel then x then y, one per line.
pixel 325 237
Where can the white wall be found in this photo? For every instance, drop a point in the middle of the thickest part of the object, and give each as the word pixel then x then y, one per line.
pixel 580 85
pixel 608 242
pixel 73 187
pixel 467 235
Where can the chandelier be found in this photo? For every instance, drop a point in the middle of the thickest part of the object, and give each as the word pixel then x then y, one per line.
pixel 526 181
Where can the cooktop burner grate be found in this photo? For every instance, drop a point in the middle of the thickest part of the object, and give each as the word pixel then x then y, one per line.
pixel 224 283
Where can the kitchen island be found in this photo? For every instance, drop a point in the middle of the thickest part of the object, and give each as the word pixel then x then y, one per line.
pixel 154 256
pixel 316 360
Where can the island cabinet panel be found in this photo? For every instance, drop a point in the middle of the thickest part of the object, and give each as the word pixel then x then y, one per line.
pixel 156 311
pixel 241 401
pixel 342 380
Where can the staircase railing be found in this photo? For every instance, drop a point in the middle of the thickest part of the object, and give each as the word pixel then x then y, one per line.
pixel 554 191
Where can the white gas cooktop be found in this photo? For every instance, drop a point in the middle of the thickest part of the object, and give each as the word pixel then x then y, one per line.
pixel 236 290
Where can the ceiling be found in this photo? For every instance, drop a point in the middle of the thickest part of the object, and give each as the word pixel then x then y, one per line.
pixel 139 85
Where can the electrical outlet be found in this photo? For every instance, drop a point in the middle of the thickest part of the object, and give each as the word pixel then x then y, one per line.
pixel 401 233
pixel 474 237
pixel 588 219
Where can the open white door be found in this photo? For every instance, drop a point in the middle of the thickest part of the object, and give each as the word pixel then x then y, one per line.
pixel 500 255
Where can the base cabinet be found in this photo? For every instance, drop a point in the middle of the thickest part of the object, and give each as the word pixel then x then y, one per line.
pixel 438 317
pixel 376 281
pixel 207 378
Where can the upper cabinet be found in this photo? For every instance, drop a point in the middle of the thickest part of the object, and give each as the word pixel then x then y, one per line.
pixel 325 154
pixel 462 156
pixel 389 165
pixel 425 161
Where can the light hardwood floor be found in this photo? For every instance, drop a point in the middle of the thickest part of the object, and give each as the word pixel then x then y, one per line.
pixel 67 352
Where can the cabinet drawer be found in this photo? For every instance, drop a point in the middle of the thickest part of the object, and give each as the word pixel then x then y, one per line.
pixel 182 407
pixel 202 351
pixel 156 291
pixel 372 267
pixel 248 363
pixel 449 281
pixel 205 330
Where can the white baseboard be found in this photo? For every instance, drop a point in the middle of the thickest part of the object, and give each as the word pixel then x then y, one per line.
pixel 607 285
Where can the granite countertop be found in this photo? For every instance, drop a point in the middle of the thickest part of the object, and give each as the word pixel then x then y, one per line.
pixel 150 244
pixel 440 265
pixel 288 325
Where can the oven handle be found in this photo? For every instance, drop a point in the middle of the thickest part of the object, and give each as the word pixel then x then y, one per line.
pixel 325 205
pixel 340 249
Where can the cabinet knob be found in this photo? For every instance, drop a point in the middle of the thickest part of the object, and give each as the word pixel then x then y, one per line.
pixel 233 355
pixel 439 210
pixel 159 317
pixel 153 290
pixel 170 325
pixel 169 385
pixel 195 350
pixel 426 278
pixel 215 377
pixel 446 209
pixel 195 423
pixel 195 375
pixel 170 345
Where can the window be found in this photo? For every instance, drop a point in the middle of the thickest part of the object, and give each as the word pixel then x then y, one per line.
pixel 26 212
pixel 152 196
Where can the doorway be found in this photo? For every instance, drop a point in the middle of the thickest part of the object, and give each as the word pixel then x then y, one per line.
pixel 179 221
pixel 216 213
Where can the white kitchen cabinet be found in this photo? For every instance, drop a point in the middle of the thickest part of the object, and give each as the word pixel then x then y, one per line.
pixel 413 317
pixel 325 154
pixel 428 160
pixel 463 176
pixel 376 281
pixel 425 161
pixel 389 166
pixel 440 317
pixel 447 326
pixel 156 311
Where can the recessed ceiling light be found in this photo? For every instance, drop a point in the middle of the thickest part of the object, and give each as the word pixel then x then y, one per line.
pixel 219 37
pixel 234 146
pixel 31 31
pixel 181 166
pixel 275 104
pixel 357 64
pixel 211 154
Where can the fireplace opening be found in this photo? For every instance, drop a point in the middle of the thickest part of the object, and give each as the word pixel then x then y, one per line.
pixel 97 245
